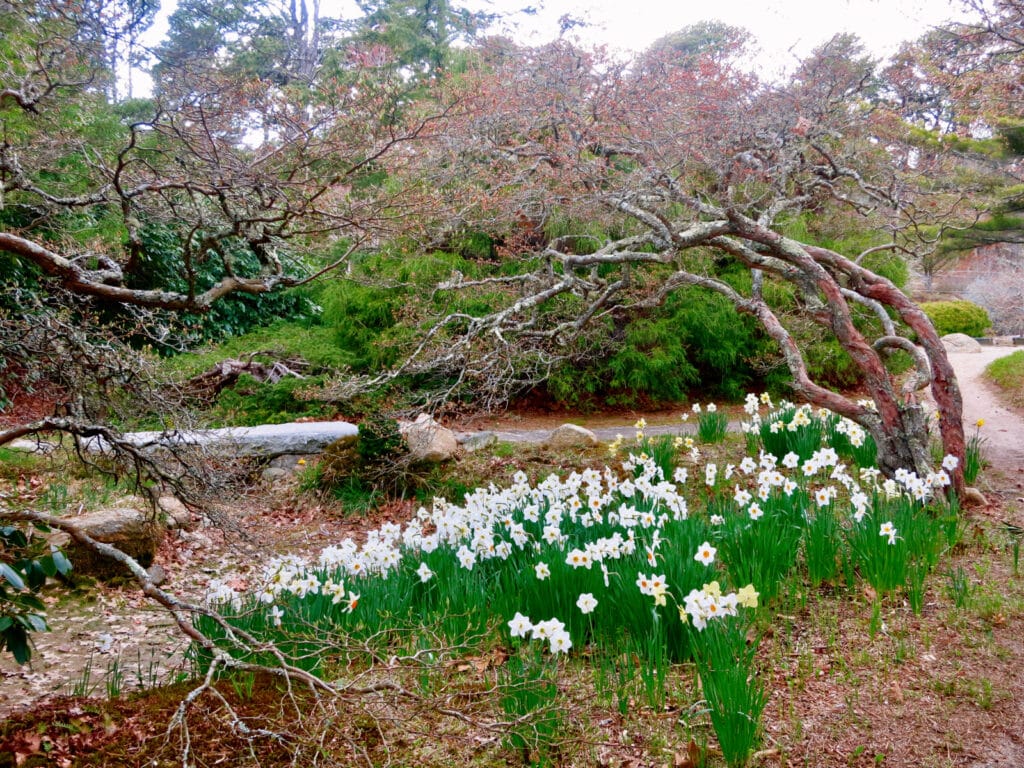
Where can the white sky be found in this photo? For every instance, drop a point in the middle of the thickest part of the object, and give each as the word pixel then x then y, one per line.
pixel 784 30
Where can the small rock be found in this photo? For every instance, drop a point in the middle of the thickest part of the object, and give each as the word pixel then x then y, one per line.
pixel 274 474
pixel 289 461
pixel 177 513
pixel 428 441
pixel 961 342
pixel 157 574
pixel 571 436
pixel 197 540
pixel 974 498
pixel 478 441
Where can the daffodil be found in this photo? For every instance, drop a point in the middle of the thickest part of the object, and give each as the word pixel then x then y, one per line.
pixel 713 588
pixel 887 529
pixel 747 596
pixel 586 603
pixel 520 625
pixel 705 554
pixel 560 642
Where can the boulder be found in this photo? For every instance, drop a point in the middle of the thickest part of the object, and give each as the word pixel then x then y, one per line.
pixel 428 441
pixel 571 436
pixel 478 441
pixel 269 440
pixel 134 532
pixel 960 342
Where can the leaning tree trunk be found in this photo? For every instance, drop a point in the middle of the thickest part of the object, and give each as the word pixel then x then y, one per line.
pixel 942 383
pixel 899 424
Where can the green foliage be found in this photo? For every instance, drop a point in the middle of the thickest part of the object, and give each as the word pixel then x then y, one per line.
pixel 369 469
pixel 650 361
pixel 529 696
pixel 379 440
pixel 695 337
pixel 417 33
pixel 26 561
pixel 763 551
pixel 957 317
pixel 889 265
pixel 312 343
pixel 831 365
pixel 849 237
pixel 735 696
pixel 1007 373
pixel 712 426
pixel 896 543
pixel 160 264
pixel 360 315
pixel 380 309
pixel 251 402
pixel 822 544
pixel 850 443
pixel 791 430
pixel 685 47
pixel 973 457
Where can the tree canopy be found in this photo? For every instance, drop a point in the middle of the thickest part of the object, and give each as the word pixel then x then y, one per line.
pixel 278 142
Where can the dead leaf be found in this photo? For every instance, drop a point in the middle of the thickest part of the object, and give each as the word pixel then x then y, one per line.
pixel 689 758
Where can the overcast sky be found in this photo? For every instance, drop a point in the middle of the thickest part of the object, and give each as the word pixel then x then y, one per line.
pixel 784 30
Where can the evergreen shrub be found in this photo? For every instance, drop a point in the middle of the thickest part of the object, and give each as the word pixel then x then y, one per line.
pixel 957 317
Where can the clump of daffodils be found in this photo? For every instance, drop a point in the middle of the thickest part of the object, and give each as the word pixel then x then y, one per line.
pixel 653 586
pixel 703 605
pixel 888 531
pixel 551 630
pixel 640 426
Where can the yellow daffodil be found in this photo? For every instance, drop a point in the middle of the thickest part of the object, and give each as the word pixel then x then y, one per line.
pixel 714 588
pixel 747 596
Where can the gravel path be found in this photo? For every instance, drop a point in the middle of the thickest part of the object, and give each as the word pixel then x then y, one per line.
pixel 1003 429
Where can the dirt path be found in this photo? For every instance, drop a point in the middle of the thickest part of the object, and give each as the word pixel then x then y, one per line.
pixel 1003 429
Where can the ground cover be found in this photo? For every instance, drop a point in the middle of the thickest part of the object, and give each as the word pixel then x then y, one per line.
pixel 1007 373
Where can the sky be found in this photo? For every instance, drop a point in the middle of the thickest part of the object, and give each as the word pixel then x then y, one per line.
pixel 784 30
